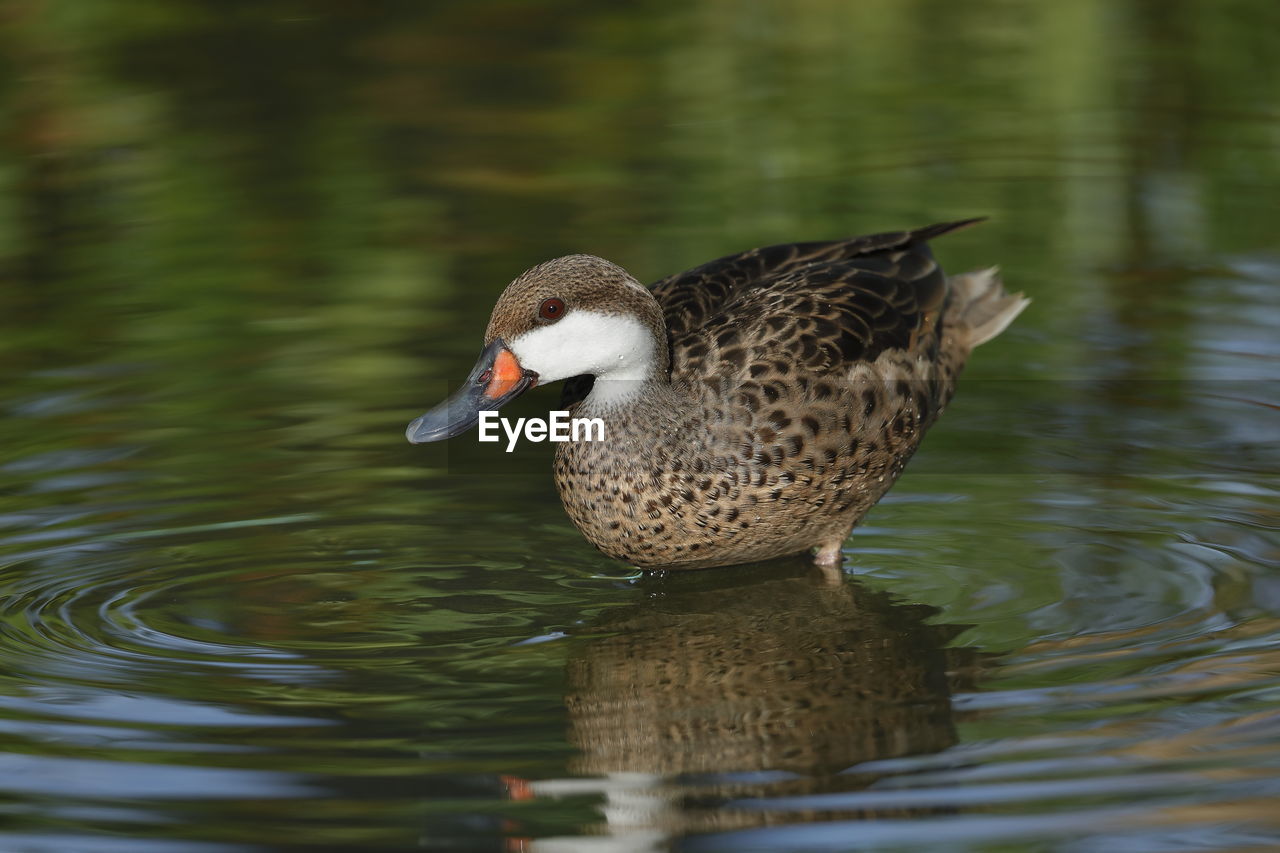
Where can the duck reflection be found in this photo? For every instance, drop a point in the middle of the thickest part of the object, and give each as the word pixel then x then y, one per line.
pixel 754 683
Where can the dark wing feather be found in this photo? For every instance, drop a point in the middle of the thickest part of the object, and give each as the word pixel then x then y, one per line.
pixel 576 389
pixel 817 306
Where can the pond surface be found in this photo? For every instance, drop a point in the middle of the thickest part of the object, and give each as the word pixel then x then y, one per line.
pixel 243 243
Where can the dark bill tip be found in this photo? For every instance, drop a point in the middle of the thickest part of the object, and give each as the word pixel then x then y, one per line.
pixel 461 411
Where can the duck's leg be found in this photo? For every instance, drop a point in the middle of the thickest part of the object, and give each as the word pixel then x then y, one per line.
pixel 829 553
pixel 829 558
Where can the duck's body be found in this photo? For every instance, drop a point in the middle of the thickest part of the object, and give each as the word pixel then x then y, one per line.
pixel 754 407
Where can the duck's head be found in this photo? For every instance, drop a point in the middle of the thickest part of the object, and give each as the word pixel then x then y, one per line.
pixel 571 316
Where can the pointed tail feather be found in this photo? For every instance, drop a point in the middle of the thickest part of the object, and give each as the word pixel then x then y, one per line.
pixel 983 307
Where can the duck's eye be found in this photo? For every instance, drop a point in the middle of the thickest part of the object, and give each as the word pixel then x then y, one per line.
pixel 551 309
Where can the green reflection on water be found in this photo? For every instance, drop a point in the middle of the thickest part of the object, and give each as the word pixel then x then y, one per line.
pixel 243 243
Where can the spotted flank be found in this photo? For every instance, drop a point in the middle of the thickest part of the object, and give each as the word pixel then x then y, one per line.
pixel 755 406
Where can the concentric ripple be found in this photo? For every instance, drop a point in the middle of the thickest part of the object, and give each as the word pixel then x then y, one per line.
pixel 242 244
pixel 175 670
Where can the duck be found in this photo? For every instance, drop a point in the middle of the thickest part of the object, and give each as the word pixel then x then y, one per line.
pixel 754 407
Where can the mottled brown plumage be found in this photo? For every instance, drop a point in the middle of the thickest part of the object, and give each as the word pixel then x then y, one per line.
pixel 779 393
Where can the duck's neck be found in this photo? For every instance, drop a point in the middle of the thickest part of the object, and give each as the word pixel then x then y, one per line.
pixel 638 416
pixel 642 373
pixel 627 388
pixel 641 410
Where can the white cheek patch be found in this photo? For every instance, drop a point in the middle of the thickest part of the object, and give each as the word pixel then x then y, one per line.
pixel 608 346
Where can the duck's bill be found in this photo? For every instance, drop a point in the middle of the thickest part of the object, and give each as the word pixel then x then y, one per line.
pixel 496 379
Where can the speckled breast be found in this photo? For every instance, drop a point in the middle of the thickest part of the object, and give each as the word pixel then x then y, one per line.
pixel 765 468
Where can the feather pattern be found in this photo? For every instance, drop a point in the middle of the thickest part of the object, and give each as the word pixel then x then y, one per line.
pixel 785 390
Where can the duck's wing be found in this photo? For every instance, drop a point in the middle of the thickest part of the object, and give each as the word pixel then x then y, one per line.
pixel 817 307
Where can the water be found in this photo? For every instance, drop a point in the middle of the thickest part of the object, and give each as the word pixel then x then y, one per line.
pixel 244 243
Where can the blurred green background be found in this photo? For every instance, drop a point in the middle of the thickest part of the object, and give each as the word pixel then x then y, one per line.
pixel 243 243
pixel 180 175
